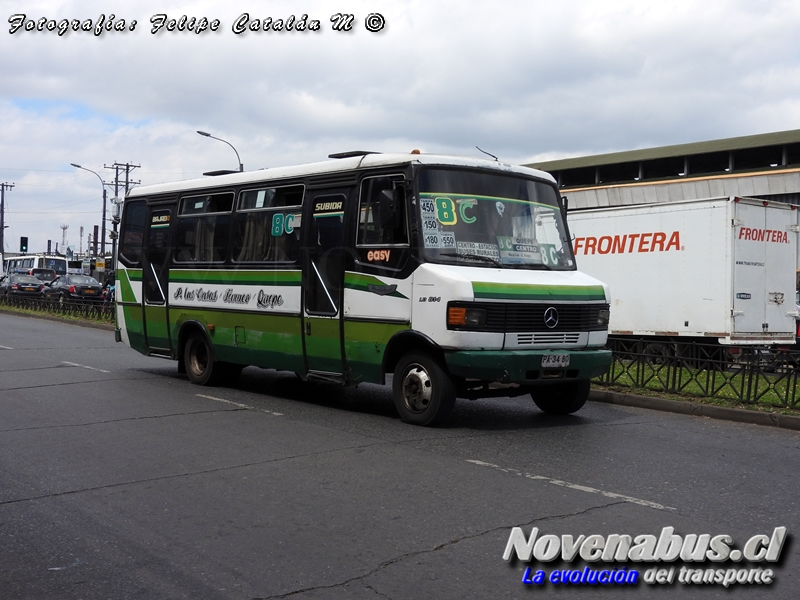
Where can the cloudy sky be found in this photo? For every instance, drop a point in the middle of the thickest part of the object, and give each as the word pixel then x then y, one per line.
pixel 525 80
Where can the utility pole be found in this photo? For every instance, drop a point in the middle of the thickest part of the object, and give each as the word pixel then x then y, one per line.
pixel 118 167
pixel 115 216
pixel 3 188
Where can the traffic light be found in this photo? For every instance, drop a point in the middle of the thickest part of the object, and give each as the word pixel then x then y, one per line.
pixel 23 244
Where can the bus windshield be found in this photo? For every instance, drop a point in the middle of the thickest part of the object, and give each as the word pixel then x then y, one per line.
pixel 482 219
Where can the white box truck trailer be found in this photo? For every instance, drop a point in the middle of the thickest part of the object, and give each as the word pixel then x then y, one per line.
pixel 716 269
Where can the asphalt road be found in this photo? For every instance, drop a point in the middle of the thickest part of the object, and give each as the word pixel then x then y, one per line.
pixel 120 479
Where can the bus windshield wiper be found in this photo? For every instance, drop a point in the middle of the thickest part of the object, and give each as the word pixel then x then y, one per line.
pixel 488 259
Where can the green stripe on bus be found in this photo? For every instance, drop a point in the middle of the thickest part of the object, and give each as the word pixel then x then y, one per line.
pixel 264 340
pixel 125 293
pixel 435 195
pixel 361 283
pixel 525 291
pixel 290 278
pixel 365 345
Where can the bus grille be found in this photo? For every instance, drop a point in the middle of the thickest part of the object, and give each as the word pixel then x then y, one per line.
pixel 529 317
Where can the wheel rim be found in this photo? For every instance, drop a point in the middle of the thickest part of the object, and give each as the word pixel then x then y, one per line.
pixel 416 388
pixel 198 362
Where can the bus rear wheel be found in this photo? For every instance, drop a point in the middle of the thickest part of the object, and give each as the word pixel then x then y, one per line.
pixel 201 367
pixel 423 392
pixel 562 398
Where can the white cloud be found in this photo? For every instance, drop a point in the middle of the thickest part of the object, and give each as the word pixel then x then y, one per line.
pixel 523 80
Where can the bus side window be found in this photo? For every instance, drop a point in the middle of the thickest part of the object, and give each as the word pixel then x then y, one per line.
pixel 382 214
pixel 267 225
pixel 203 228
pixel 132 233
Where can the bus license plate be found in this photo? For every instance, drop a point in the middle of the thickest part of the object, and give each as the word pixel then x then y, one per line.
pixel 555 361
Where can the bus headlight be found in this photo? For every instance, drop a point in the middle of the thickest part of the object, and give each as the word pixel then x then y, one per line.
pixel 602 318
pixel 469 318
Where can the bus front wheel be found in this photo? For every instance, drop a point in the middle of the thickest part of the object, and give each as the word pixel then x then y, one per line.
pixel 423 392
pixel 562 398
pixel 199 360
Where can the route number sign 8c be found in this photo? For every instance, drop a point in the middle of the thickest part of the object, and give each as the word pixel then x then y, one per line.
pixel 447 214
pixel 282 224
pixel 549 254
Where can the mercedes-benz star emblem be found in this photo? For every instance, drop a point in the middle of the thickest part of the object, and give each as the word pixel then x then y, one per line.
pixel 551 317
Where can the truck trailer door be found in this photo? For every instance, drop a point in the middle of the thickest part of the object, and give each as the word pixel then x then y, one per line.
pixel 764 257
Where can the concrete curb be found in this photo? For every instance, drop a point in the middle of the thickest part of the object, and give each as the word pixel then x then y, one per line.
pixel 697 409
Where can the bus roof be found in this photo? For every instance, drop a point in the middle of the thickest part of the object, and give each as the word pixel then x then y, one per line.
pixel 353 163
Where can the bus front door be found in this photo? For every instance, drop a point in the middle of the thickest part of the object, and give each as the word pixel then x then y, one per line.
pixel 323 276
pixel 155 280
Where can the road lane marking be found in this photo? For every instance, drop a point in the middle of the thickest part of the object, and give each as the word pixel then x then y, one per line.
pixel 575 486
pixel 5 348
pixel 72 364
pixel 248 407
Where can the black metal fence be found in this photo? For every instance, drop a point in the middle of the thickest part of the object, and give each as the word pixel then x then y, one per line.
pixel 744 374
pixel 97 311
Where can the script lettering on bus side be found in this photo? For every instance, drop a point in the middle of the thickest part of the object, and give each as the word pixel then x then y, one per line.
pixel 231 297
pixel 265 300
pixel 198 294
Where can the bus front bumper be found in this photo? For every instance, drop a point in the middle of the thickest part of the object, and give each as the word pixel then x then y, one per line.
pixel 528 367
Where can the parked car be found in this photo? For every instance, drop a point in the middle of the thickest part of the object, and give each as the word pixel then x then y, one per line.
pixel 72 288
pixel 21 286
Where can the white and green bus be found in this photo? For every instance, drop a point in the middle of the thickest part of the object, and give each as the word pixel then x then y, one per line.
pixel 455 276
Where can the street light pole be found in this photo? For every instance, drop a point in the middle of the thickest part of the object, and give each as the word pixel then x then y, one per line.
pixel 103 228
pixel 208 135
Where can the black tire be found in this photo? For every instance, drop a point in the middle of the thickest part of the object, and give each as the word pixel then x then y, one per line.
pixel 562 398
pixel 423 392
pixel 61 299
pixel 198 357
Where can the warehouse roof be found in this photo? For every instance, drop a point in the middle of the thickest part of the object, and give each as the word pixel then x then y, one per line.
pixel 739 154
pixel 779 138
